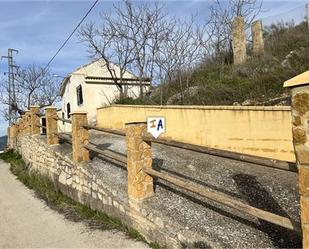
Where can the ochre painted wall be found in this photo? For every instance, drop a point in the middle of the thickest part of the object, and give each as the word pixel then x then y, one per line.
pixel 253 130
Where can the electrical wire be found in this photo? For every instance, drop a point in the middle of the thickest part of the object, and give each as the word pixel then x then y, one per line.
pixel 65 42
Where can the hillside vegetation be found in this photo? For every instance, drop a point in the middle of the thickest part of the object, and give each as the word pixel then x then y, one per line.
pixel 216 81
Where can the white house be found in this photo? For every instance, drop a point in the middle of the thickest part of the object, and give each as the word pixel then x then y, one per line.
pixel 90 87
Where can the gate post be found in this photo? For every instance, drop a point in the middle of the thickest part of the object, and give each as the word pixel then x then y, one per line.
pixel 299 87
pixel 140 184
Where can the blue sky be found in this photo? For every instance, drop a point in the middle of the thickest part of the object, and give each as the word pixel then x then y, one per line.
pixel 38 28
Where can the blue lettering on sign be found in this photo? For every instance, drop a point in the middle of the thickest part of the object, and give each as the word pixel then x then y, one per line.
pixel 160 124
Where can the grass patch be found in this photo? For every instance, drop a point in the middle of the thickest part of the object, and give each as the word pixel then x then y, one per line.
pixel 72 210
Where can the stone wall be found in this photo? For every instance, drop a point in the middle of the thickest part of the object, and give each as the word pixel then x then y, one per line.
pixel 80 182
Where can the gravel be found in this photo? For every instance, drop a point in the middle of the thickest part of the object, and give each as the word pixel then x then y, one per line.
pixel 270 189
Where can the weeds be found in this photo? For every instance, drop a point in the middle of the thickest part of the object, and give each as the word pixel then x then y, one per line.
pixel 45 189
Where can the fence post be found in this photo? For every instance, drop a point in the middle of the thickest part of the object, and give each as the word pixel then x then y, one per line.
pixel 80 136
pixel 300 130
pixel 139 155
pixel 12 138
pixel 35 120
pixel 51 125
pixel 27 122
pixel 22 125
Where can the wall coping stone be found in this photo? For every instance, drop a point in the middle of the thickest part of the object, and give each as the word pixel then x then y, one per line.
pixel 197 107
pixel 50 107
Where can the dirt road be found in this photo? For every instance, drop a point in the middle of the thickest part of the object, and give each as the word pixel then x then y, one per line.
pixel 26 221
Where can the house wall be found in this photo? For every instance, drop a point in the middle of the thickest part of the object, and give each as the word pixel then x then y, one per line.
pixel 94 95
pixel 259 131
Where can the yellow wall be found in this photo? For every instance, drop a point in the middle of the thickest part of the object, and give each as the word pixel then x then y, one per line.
pixel 254 130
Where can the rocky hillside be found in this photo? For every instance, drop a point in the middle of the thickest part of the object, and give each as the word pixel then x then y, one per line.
pixel 258 82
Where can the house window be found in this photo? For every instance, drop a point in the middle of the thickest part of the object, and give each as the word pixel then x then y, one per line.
pixel 63 117
pixel 79 93
pixel 68 110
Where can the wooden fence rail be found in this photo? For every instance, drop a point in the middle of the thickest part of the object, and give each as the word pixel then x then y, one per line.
pixel 227 154
pixel 226 200
pixel 63 120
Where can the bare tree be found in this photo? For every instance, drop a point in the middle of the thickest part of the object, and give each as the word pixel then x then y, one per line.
pixel 106 43
pixel 179 51
pixel 222 14
pixel 33 86
pixel 128 39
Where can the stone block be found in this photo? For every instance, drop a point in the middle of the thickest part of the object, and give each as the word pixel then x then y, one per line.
pixel 303 176
pixel 239 40
pixel 80 137
pixel 139 156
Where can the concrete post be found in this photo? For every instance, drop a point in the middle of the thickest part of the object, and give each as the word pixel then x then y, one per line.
pixel 239 40
pixel 257 38
pixel 300 130
pixel 80 136
pixel 51 125
pixel 35 120
pixel 139 155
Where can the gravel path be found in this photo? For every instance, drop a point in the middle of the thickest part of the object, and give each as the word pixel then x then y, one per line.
pixel 267 188
pixel 26 222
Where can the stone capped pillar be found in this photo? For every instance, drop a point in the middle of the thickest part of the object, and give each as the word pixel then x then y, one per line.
pixel 35 120
pixel 12 138
pixel 22 125
pixel 8 142
pixel 239 40
pixel 51 125
pixel 299 86
pixel 257 38
pixel 80 136
pixel 17 128
pixel 27 122
pixel 139 155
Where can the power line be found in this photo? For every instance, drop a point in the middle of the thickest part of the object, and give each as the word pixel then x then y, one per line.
pixel 65 42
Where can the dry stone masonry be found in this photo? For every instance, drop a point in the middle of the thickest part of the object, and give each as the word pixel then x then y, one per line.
pixel 140 185
pixel 257 38
pixel 239 40
pixel 300 129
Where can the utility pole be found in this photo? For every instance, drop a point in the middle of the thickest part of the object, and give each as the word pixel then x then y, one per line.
pixel 307 14
pixel 11 85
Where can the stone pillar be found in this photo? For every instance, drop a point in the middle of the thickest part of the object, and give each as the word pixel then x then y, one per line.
pixel 257 38
pixel 35 120
pixel 17 128
pixel 300 130
pixel 22 124
pixel 80 136
pixel 51 125
pixel 139 155
pixel 27 123
pixel 239 40
pixel 12 138
pixel 8 142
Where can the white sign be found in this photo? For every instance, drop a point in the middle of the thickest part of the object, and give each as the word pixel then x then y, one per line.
pixel 156 126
